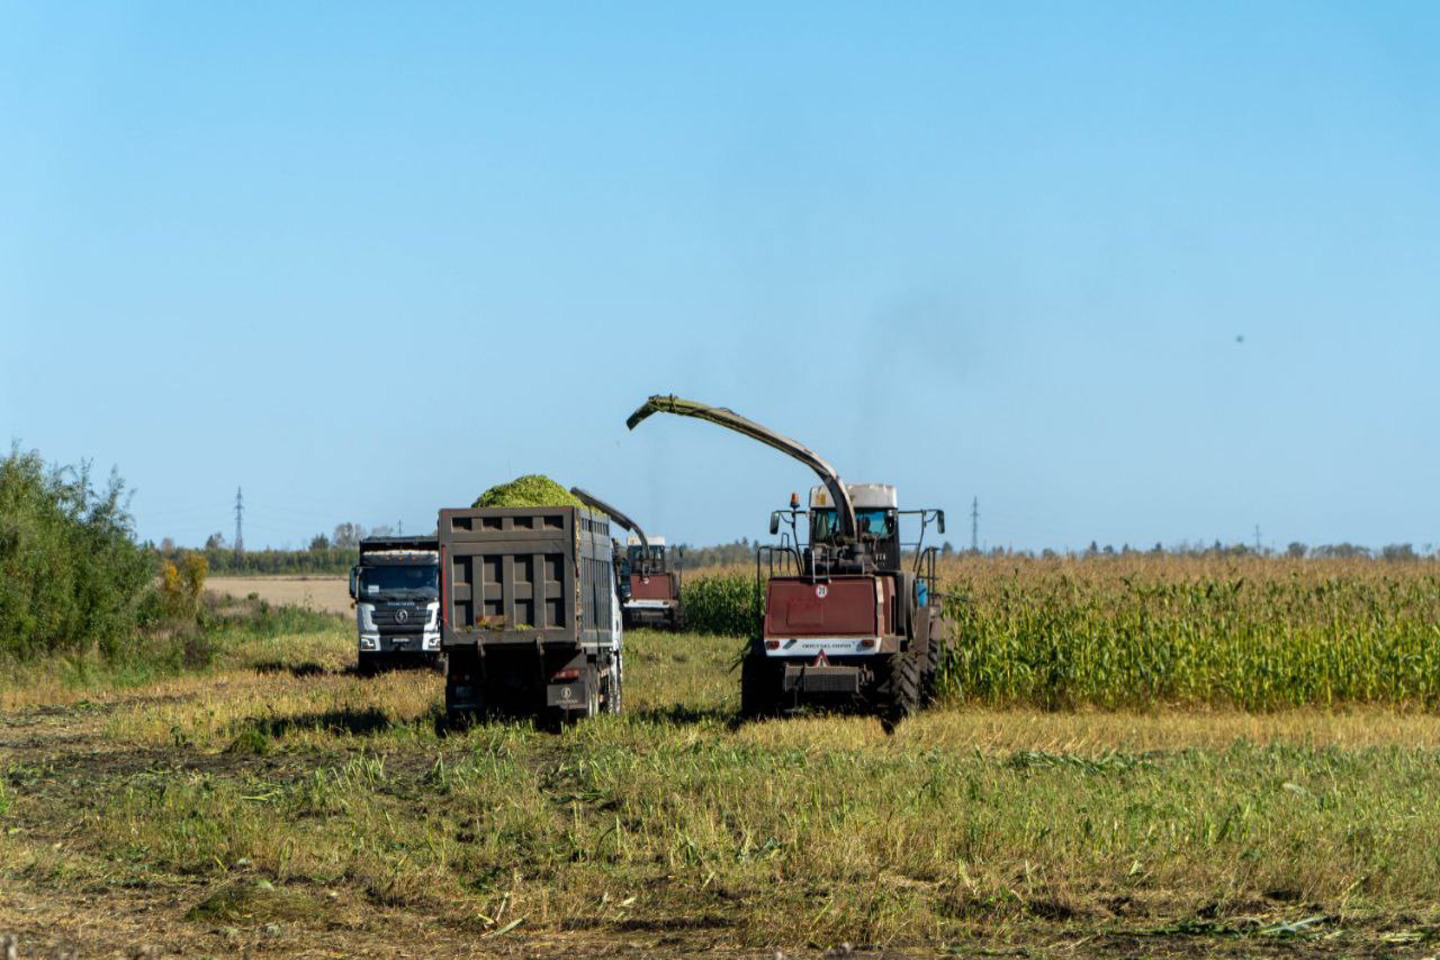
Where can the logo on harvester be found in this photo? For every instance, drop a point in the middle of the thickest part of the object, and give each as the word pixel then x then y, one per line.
pixel 401 616
pixel 821 590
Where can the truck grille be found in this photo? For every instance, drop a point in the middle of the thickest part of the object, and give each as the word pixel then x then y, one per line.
pixel 400 617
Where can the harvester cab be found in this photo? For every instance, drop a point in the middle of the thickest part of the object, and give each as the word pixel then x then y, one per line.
pixel 848 617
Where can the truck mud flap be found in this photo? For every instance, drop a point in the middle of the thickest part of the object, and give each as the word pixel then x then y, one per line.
pixel 567 696
pixel 462 698
pixel 800 678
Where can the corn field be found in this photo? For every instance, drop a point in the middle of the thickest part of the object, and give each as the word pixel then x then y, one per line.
pixel 1257 633
pixel 721 603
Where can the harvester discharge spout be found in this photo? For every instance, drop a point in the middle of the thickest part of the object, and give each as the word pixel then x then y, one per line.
pixel 662 403
pixel 590 500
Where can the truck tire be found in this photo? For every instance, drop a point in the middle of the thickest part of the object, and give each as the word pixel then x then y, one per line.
pixel 368 665
pixel 612 687
pixel 464 698
pixel 759 687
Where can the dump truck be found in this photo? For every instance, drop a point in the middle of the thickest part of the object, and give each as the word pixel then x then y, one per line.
pixel 647 579
pixel 850 615
pixel 529 618
pixel 396 589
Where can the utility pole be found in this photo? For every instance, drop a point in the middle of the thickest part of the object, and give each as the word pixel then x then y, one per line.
pixel 399 528
pixel 1258 548
pixel 239 523
pixel 975 525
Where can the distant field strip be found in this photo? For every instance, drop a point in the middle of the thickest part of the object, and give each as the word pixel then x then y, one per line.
pixel 330 594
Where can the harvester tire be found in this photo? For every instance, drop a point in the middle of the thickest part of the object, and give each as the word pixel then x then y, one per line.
pixel 903 689
pixel 931 675
pixel 941 637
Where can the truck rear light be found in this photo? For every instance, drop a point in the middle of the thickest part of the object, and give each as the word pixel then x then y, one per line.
pixel 867 643
pixel 570 674
pixel 772 644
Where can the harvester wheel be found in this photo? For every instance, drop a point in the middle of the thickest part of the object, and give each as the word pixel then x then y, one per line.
pixel 759 691
pixel 901 698
pixel 941 633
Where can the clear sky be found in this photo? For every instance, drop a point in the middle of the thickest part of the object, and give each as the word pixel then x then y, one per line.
pixel 369 259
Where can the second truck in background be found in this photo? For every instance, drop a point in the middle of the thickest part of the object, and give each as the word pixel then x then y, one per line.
pixel 396 589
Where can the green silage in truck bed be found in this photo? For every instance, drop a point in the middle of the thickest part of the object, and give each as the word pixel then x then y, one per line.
pixel 531 490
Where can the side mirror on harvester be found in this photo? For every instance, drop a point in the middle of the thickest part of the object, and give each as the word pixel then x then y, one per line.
pixel 774 522
pixel 940 520
pixel 354 581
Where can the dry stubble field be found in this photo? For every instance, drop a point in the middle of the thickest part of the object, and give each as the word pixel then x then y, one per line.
pixel 319 592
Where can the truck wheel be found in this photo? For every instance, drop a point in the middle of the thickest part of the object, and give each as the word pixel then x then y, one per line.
pixel 463 696
pixel 759 691
pixel 614 681
pixel 901 697
pixel 368 665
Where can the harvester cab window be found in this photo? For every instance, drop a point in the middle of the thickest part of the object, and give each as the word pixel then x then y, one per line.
pixel 657 554
pixel 825 524
pixel 879 524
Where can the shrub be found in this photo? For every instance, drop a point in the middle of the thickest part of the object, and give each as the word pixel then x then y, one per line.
pixel 71 576
pixel 181 586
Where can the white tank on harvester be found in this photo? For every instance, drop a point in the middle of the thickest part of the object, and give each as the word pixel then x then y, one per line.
pixel 850 615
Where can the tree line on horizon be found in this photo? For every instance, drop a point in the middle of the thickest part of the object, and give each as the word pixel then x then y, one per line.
pixel 338 552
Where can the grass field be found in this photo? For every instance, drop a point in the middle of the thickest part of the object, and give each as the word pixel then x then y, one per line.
pixel 277 803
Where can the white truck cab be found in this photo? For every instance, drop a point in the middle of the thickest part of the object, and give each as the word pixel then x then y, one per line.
pixel 396 589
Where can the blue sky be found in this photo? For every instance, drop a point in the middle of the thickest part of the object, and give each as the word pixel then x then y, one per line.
pixel 367 260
